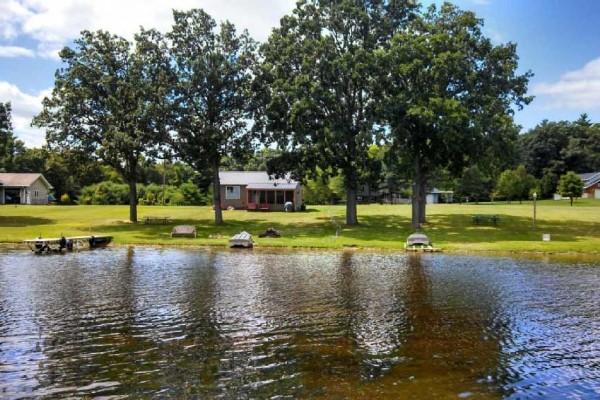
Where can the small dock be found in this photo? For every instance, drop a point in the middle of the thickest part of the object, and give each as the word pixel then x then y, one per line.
pixel 425 249
pixel 56 245
pixel 242 239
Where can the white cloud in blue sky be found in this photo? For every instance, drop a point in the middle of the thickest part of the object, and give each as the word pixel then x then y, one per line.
pixel 15 51
pixel 24 107
pixel 575 90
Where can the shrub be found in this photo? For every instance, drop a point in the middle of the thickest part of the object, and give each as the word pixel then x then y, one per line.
pixel 65 199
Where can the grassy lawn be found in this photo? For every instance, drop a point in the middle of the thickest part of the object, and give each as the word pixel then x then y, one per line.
pixel 450 226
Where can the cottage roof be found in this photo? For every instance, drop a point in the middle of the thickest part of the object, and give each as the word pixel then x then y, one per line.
pixel 22 180
pixel 274 185
pixel 590 179
pixel 250 177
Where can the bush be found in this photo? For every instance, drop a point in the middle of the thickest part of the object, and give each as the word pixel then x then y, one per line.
pixel 105 193
pixel 108 193
pixel 191 194
pixel 65 199
pixel 151 194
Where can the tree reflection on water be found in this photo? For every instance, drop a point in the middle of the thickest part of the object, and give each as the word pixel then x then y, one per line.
pixel 166 323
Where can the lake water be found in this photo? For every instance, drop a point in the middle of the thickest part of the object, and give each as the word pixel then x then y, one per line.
pixel 148 322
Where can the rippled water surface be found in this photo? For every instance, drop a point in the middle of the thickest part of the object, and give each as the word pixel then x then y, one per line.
pixel 181 323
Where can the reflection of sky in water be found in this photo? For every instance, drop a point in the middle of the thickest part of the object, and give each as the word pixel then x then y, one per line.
pixel 380 318
pixel 212 323
pixel 552 345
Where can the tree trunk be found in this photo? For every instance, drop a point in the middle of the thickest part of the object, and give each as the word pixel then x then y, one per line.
pixel 217 195
pixel 351 208
pixel 132 200
pixel 416 195
pixel 423 198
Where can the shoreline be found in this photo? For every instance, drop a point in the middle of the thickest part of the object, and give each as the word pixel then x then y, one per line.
pixel 224 247
pixel 382 228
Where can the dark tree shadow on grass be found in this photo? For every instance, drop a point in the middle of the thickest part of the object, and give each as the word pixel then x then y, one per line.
pixel 207 228
pixel 380 228
pixel 461 228
pixel 21 221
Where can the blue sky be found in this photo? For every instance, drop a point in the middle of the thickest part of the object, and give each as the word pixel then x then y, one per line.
pixel 558 40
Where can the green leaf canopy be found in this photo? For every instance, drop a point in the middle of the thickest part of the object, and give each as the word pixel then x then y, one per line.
pixel 449 95
pixel 213 73
pixel 320 85
pixel 109 101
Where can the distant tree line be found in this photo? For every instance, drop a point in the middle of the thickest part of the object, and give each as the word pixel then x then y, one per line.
pixel 540 158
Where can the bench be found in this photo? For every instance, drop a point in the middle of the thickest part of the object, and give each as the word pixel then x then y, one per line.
pixel 157 220
pixel 252 207
pixel 184 231
pixel 479 219
pixel 264 207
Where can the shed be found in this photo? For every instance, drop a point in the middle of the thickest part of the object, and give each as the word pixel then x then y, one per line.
pixel 434 196
pixel 24 188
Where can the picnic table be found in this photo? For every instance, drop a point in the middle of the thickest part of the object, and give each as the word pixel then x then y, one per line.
pixel 482 218
pixel 156 220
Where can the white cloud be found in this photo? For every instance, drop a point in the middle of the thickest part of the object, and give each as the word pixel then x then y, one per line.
pixel 12 14
pixel 24 108
pixel 54 23
pixel 496 37
pixel 14 51
pixel 575 90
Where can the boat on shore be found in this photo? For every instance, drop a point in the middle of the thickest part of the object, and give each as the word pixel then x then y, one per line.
pixel 419 242
pixel 242 239
pixel 41 245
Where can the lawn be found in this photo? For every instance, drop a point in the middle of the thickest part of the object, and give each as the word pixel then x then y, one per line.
pixel 450 226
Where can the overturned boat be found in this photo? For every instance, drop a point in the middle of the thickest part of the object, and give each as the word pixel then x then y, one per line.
pixel 41 245
pixel 242 239
pixel 419 242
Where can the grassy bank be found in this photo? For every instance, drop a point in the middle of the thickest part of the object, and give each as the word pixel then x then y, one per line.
pixel 450 226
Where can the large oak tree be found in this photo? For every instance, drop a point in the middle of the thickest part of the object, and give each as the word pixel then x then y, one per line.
pixel 319 85
pixel 109 101
pixel 213 70
pixel 450 94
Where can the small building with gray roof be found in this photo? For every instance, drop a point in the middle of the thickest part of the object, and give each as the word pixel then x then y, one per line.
pixel 591 185
pixel 256 190
pixel 17 188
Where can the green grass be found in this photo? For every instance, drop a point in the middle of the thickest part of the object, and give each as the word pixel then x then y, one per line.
pixel 450 227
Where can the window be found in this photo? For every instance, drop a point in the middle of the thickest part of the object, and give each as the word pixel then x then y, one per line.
pixel 36 193
pixel 280 197
pixel 232 192
pixel 289 195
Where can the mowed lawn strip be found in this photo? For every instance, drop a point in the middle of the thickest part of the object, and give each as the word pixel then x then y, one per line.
pixel 449 226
